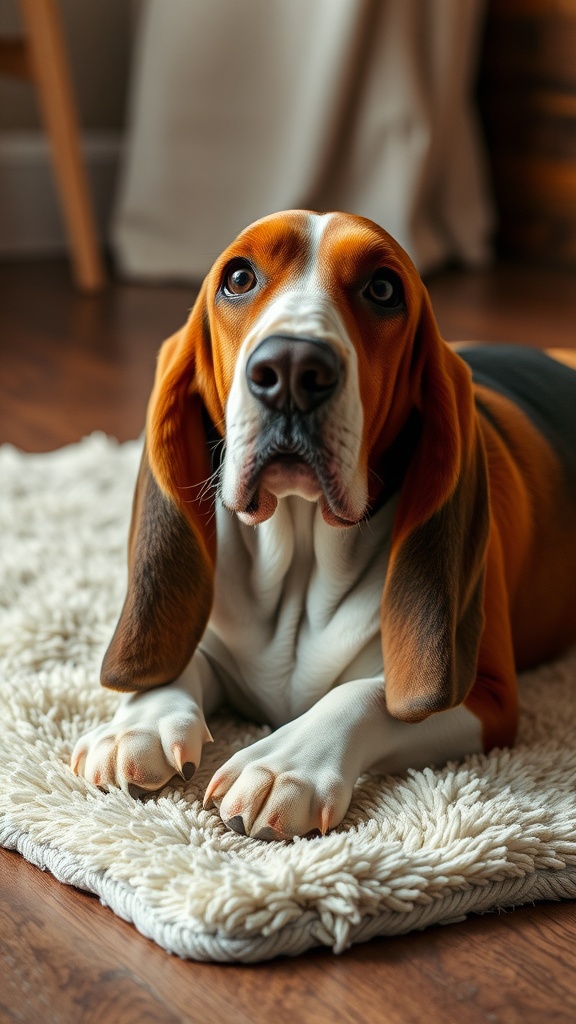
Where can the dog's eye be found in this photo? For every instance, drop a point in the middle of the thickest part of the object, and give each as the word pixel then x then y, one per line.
pixel 385 289
pixel 239 279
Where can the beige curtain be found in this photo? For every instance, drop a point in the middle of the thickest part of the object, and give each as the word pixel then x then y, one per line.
pixel 244 107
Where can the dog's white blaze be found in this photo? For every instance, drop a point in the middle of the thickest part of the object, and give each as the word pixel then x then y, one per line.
pixel 304 310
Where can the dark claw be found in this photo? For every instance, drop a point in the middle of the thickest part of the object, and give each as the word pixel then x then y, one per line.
pixel 188 770
pixel 267 834
pixel 236 824
pixel 314 833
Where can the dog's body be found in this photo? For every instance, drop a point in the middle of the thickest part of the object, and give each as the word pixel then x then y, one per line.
pixel 415 541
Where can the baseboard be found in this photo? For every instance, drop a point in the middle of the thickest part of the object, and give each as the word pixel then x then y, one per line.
pixel 31 222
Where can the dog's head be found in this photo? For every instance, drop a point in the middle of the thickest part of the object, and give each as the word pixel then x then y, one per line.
pixel 313 354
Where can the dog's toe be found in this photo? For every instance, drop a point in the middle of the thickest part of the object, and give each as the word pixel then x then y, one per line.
pixel 140 760
pixel 245 796
pixel 264 802
pixel 78 759
pixel 140 756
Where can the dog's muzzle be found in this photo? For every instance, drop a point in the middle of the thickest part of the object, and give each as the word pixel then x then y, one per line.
pixel 286 374
pixel 292 451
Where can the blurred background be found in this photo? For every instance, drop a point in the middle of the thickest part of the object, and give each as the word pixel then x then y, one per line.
pixel 450 122
pixel 196 118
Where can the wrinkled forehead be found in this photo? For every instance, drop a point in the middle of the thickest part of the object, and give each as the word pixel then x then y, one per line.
pixel 330 245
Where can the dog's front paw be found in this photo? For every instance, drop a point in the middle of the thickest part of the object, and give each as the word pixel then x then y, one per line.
pixel 281 787
pixel 152 737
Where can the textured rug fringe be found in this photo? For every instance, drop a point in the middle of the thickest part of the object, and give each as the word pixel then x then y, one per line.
pixel 308 932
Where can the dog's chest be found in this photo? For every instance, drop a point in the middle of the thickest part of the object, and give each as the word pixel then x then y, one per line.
pixel 296 608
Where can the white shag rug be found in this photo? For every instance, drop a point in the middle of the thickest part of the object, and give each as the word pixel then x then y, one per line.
pixel 492 832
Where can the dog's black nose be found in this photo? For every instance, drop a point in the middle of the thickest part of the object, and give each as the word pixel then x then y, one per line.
pixel 293 372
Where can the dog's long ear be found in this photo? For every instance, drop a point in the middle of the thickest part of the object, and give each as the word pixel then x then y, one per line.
pixel 432 612
pixel 172 543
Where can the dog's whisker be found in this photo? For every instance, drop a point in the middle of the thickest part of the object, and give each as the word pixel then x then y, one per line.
pixel 203 486
pixel 374 474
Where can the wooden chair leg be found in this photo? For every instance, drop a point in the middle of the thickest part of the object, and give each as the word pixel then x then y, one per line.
pixel 49 66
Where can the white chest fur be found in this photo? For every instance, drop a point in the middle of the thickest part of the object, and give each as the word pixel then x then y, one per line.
pixel 297 607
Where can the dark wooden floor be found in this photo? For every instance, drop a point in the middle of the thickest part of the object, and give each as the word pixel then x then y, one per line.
pixel 69 365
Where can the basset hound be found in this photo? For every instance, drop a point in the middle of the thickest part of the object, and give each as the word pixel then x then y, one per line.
pixel 342 527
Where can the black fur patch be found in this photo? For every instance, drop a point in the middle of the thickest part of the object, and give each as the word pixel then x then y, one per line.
pixel 544 389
